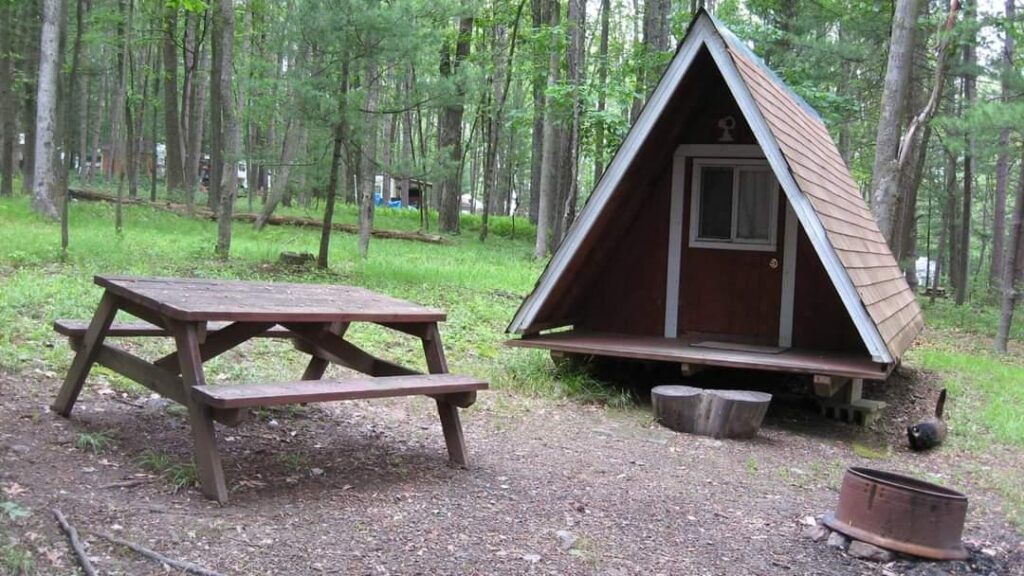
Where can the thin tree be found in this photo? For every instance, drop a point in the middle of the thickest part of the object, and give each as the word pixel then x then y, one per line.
pixel 548 191
pixel 369 151
pixel 224 30
pixel 8 134
pixel 1006 74
pixel 450 138
pixel 1013 272
pixel 44 180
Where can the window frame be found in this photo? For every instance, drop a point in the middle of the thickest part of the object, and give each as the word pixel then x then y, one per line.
pixel 734 242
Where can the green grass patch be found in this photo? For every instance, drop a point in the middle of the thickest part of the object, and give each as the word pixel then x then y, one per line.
pixel 986 395
pixel 16 561
pixel 94 442
pixel 181 475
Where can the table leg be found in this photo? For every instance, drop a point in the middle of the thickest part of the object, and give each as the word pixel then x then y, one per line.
pixel 211 473
pixel 318 364
pixel 449 413
pixel 86 355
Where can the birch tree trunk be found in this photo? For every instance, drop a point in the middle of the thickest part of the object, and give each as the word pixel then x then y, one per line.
pixel 44 180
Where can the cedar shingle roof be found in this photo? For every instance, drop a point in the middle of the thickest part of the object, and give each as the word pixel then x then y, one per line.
pixel 823 177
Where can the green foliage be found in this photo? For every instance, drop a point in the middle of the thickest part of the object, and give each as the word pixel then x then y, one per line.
pixel 14 511
pixel 16 561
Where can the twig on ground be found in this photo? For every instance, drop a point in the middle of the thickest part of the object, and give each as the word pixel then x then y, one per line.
pixel 76 543
pixel 188 567
pixel 127 483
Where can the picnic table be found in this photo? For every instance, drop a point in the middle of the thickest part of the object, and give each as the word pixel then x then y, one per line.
pixel 206 318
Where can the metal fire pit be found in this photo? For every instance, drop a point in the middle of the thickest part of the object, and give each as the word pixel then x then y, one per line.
pixel 900 513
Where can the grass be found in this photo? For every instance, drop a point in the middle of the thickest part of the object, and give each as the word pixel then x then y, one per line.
pixel 16 561
pixel 181 475
pixel 94 442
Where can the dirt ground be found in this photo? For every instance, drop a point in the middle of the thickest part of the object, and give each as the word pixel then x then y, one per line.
pixel 555 488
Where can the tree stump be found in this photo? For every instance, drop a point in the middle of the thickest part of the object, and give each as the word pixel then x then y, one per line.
pixel 677 407
pixel 715 413
pixel 296 259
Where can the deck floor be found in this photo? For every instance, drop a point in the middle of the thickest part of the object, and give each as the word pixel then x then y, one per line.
pixel 682 350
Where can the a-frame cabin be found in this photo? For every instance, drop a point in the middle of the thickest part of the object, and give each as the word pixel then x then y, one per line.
pixel 726 231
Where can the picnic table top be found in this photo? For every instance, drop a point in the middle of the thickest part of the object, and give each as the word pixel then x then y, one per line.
pixel 194 299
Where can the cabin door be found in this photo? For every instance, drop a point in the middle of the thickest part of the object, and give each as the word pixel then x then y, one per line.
pixel 727 233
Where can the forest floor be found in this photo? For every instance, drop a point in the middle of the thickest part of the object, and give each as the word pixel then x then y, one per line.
pixel 569 473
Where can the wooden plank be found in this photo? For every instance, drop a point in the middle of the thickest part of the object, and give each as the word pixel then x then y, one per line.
pixel 163 382
pixel 204 439
pixel 358 388
pixel 77 328
pixel 795 361
pixel 220 341
pixel 229 300
pixel 91 342
pixel 329 346
pixel 317 364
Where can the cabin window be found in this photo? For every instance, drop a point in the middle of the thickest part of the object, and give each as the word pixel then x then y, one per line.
pixel 734 204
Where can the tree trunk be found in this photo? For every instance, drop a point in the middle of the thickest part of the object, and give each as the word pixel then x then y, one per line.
pixel 884 186
pixel 408 159
pixel 602 90
pixel 538 9
pixel 29 69
pixel 1013 272
pixel 280 183
pixel 369 148
pixel 499 84
pixel 1003 159
pixel 549 160
pixel 451 131
pixel 196 115
pixel 94 149
pixel 969 82
pixel 216 166
pixel 174 167
pixel 44 181
pixel 225 33
pixel 577 51
pixel 8 133
pixel 340 133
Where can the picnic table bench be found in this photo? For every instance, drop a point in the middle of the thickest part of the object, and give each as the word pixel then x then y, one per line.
pixel 206 318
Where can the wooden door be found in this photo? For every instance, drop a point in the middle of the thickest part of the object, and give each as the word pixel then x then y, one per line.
pixel 730 294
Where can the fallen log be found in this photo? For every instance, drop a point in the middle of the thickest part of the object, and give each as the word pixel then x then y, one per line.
pixel 273 220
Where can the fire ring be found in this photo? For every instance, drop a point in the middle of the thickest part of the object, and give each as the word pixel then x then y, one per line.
pixel 901 513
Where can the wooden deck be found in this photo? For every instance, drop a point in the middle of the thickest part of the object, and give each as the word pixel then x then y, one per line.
pixel 683 351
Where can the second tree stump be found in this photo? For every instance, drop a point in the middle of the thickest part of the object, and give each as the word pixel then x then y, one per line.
pixel 715 413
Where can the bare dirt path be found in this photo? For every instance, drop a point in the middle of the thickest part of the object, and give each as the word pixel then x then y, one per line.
pixel 363 488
